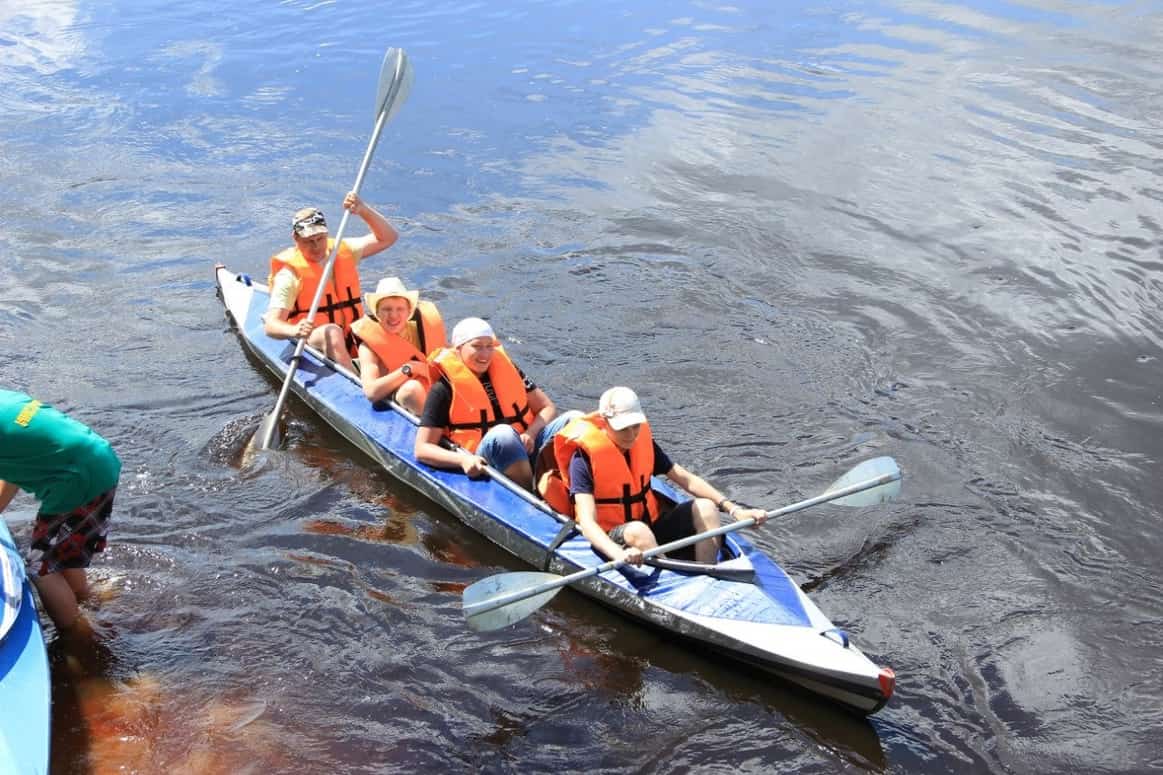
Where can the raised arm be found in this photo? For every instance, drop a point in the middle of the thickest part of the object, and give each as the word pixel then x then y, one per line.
pixel 383 234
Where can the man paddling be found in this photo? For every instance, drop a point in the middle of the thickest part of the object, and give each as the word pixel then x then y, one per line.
pixel 73 472
pixel 604 462
pixel 487 406
pixel 297 271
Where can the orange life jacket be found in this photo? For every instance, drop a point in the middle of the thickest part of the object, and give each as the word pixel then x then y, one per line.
pixel 340 301
pixel 472 413
pixel 621 486
pixel 392 349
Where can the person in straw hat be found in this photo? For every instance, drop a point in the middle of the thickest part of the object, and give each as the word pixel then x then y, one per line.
pixel 395 337
pixel 485 405
pixel 605 461
pixel 297 271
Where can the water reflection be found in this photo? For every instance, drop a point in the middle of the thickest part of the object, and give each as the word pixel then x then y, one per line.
pixel 110 716
pixel 605 653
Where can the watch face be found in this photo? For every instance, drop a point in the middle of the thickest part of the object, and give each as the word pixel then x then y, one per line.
pixel 406 369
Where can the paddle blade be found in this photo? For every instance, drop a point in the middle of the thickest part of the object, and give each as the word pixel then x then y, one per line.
pixel 486 590
pixel 395 82
pixel 869 469
pixel 267 435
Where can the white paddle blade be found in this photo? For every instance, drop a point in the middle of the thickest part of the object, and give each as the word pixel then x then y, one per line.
pixel 486 590
pixel 395 82
pixel 869 469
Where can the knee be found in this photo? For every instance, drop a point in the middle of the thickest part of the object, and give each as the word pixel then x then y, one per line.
pixel 333 335
pixel 505 436
pixel 706 513
pixel 411 393
pixel 639 535
pixel 502 447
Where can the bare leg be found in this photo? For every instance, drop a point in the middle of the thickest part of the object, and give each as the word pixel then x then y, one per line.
pixel 329 339
pixel 59 599
pixel 78 581
pixel 706 517
pixel 640 536
pixel 411 396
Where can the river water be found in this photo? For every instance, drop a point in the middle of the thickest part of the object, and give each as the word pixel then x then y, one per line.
pixel 806 233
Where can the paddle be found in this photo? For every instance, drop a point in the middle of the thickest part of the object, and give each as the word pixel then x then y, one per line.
pixel 506 598
pixel 395 82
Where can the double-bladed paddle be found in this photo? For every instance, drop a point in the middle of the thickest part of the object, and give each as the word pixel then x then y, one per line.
pixel 395 83
pixel 507 598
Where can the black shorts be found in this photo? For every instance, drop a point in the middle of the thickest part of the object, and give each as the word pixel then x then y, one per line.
pixel 677 523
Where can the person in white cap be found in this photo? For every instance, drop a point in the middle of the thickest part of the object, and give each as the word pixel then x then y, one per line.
pixel 604 463
pixel 395 338
pixel 484 404
pixel 297 271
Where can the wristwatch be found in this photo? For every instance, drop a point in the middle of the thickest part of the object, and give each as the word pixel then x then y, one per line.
pixel 406 370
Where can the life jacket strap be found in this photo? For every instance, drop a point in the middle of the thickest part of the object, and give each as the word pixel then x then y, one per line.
pixel 628 499
pixel 481 425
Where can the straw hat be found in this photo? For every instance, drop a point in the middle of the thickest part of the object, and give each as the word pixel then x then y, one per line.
pixel 386 288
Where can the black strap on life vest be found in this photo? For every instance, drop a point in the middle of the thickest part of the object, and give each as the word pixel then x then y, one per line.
pixel 628 499
pixel 481 425
pixel 330 307
pixel 519 415
pixel 419 321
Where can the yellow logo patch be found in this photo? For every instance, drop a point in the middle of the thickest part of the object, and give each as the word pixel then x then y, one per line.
pixel 27 413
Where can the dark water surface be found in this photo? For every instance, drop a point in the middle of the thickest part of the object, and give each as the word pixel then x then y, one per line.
pixel 808 234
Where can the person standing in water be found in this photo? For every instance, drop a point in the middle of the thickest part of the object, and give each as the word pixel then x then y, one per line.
pixel 73 472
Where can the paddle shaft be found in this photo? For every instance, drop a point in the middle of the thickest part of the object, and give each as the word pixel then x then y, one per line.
pixel 381 119
pixel 512 597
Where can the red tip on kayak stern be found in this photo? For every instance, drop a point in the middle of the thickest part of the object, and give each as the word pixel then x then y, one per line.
pixel 887 681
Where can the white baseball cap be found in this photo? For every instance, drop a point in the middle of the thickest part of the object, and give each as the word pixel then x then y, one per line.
pixel 621 408
pixel 469 329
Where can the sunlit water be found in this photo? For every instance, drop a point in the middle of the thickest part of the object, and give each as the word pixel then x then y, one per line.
pixel 807 234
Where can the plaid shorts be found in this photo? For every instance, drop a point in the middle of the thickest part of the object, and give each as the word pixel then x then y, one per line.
pixel 69 540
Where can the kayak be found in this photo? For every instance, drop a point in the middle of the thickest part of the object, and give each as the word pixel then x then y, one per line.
pixel 744 607
pixel 25 690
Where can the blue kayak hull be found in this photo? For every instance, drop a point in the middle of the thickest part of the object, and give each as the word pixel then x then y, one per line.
pixel 765 620
pixel 25 688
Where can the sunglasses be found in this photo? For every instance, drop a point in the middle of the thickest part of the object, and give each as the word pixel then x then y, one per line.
pixel 314 219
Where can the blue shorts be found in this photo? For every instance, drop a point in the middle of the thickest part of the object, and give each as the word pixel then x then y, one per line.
pixel 502 446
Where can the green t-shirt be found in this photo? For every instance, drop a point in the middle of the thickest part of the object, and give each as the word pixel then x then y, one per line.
pixel 52 456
